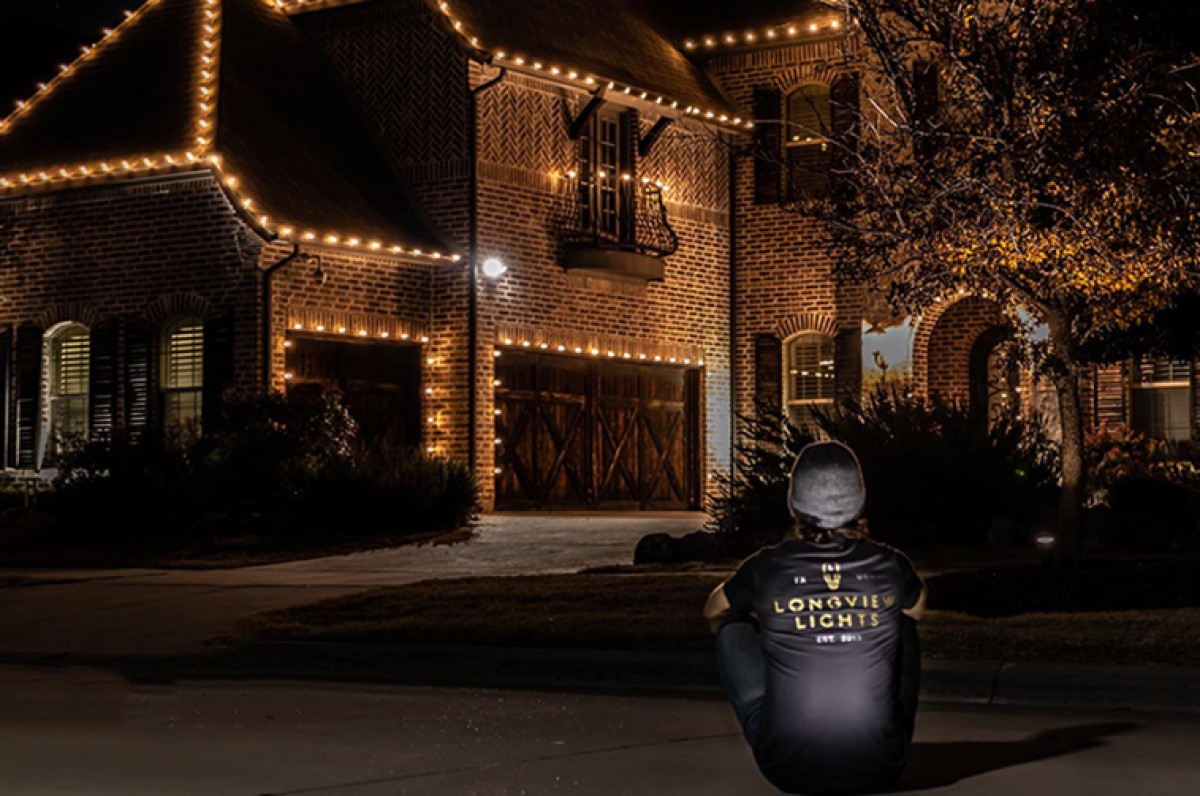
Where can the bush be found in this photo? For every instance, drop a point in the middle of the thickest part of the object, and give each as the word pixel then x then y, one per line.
pixel 935 473
pixel 271 465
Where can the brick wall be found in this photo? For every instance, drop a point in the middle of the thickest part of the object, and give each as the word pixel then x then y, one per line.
pixel 524 151
pixel 785 282
pixel 146 251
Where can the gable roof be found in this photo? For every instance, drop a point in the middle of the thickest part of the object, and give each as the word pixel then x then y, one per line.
pixel 588 43
pixel 226 85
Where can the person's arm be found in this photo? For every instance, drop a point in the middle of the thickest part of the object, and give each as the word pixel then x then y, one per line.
pixel 717 611
pixel 733 599
pixel 917 612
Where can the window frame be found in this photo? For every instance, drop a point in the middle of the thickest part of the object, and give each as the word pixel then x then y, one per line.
pixel 606 204
pixel 51 442
pixel 819 180
pixel 1174 382
pixel 826 347
pixel 167 393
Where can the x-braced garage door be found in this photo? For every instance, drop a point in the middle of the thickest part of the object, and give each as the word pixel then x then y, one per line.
pixel 575 433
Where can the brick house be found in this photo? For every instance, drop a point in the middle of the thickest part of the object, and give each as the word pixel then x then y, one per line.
pixel 545 238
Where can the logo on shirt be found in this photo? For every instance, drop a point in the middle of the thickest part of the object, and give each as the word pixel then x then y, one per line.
pixel 833 576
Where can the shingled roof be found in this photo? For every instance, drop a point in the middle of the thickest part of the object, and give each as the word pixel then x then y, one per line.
pixel 226 85
pixel 589 43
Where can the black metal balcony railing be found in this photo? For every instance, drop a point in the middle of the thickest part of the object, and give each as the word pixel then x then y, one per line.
pixel 632 218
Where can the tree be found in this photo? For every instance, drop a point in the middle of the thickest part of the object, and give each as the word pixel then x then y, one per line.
pixel 1044 153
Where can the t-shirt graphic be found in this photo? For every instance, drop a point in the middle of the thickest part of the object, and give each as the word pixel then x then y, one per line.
pixel 830 618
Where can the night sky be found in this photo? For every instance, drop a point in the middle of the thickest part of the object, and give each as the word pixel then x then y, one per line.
pixel 36 35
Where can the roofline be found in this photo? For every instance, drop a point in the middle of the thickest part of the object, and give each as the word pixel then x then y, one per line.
pixel 532 65
pixel 203 154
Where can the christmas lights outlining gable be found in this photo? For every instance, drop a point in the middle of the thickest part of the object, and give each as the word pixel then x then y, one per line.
pixel 545 68
pixel 202 149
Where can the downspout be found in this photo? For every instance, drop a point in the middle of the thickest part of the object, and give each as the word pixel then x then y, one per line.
pixel 266 313
pixel 473 260
pixel 733 309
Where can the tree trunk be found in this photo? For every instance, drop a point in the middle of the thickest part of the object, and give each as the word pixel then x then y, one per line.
pixel 1066 385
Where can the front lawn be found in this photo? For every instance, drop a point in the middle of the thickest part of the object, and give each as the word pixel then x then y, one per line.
pixel 663 612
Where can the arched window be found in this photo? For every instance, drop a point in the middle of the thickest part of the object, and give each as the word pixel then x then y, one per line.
pixel 67 371
pixel 809 126
pixel 810 365
pixel 1162 398
pixel 181 376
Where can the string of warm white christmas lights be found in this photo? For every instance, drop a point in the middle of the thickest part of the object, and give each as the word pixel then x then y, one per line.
pixel 201 156
pixel 775 34
pixel 541 67
pixel 641 354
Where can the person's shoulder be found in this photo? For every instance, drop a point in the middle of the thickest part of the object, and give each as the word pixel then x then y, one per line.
pixel 874 547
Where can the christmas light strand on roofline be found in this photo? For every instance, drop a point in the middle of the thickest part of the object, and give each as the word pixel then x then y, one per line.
pixel 776 34
pixel 200 156
pixel 566 74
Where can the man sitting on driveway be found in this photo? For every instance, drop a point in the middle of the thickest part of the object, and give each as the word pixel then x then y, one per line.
pixel 816 640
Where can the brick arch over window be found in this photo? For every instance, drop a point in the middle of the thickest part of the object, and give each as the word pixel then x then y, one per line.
pixel 807 74
pixel 68 312
pixel 806 322
pixel 167 308
pixel 944 339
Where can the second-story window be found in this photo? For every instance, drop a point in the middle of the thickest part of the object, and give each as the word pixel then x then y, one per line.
pixel 605 177
pixel 806 140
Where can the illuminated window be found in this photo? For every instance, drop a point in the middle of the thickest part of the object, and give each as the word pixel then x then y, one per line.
pixel 182 376
pixel 809 362
pixel 68 366
pixel 1162 398
pixel 809 125
pixel 605 198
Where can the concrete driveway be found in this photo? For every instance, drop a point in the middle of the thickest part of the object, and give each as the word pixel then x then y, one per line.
pixel 174 612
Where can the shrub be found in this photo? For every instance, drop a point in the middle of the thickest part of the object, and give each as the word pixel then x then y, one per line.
pixel 935 473
pixel 271 465
pixel 1115 456
pixel 938 473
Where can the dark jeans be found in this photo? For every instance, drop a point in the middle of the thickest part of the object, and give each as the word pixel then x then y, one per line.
pixel 744 674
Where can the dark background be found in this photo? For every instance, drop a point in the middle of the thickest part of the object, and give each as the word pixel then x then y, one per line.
pixel 37 35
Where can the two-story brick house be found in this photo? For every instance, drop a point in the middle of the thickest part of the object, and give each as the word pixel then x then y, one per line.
pixel 547 238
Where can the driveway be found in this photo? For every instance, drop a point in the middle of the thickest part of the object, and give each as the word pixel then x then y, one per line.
pixel 173 612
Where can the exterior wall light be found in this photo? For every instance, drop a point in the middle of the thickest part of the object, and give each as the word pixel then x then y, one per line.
pixel 494 268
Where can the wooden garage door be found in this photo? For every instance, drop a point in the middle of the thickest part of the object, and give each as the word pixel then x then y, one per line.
pixel 381 383
pixel 575 433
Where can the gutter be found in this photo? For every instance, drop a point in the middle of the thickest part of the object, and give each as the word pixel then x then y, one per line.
pixel 267 274
pixel 733 309
pixel 473 261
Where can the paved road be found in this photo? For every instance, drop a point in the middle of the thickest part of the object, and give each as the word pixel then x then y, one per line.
pixel 122 612
pixel 69 732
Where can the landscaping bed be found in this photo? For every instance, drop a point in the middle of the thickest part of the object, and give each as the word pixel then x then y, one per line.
pixel 663 612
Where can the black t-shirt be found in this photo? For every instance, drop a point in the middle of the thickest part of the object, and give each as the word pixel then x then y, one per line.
pixel 830 618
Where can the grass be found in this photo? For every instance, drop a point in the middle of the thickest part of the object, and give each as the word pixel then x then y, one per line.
pixel 648 613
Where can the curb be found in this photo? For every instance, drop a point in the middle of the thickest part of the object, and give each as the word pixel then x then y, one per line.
pixel 645 673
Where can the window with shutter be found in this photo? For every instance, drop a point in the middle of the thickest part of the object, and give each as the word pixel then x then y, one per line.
pixel 181 376
pixel 1162 398
pixel 926 106
pixel 809 118
pixel 810 376
pixel 68 374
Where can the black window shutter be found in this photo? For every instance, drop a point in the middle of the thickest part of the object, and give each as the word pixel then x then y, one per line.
pixel 102 380
pixel 768 371
pixel 29 342
pixel 844 123
pixel 6 343
pixel 768 155
pixel 218 364
pixel 140 378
